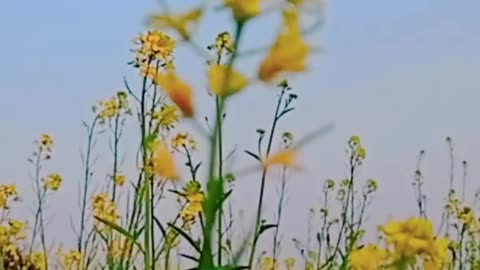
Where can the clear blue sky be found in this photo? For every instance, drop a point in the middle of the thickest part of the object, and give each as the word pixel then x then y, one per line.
pixel 403 75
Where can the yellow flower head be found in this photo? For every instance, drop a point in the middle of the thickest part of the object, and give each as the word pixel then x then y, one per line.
pixel 46 142
pixel 104 208
pixel 7 192
pixel 167 116
pixel 218 76
pixel 178 91
pixel 154 45
pixel 52 182
pixel 243 9
pixel 162 161
pixel 288 53
pixel 36 260
pixel 119 180
pixel 369 257
pixel 179 22
pixel 184 140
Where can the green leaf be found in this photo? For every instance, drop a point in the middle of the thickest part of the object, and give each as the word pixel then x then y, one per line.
pixel 122 231
pixel 186 236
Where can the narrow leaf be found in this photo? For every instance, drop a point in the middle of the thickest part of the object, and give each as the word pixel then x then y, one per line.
pixel 255 156
pixel 186 236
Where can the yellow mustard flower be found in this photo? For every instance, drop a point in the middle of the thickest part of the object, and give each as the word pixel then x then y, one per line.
pixel 184 140
pixel 243 9
pixel 167 116
pixel 218 76
pixel 154 45
pixel 163 164
pixel 36 260
pixel 71 260
pixel 105 209
pixel 17 228
pixel 178 91
pixel 119 179
pixel 288 53
pixel 52 182
pixel 7 192
pixel 223 43
pixel 46 142
pixel 179 22
pixel 369 257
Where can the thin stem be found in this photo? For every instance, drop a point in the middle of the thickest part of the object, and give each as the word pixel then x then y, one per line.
pixel 147 187
pixel 264 176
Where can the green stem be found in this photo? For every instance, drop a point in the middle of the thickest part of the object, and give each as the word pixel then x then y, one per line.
pixel 206 260
pixel 148 192
pixel 219 105
pixel 264 177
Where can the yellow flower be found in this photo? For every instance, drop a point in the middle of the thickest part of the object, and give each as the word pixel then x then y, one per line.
pixel 104 208
pixel 71 260
pixel 178 91
pixel 184 139
pixel 36 260
pixel 163 162
pixel 288 53
pixel 167 116
pixel 290 263
pixel 7 192
pixel 285 158
pixel 243 9
pixel 179 22
pixel 119 180
pixel 154 45
pixel 46 142
pixel 223 42
pixel 369 257
pixel 17 228
pixel 52 182
pixel 217 76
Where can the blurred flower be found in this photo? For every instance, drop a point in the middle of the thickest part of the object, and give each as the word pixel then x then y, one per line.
pixel 163 164
pixel 369 257
pixel 288 53
pixel 285 158
pixel 243 9
pixel 218 76
pixel 179 22
pixel 119 179
pixel 178 91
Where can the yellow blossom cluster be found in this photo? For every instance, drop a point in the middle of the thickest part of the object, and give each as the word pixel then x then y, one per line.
pixel 184 140
pixel 71 260
pixel 288 53
pixel 194 201
pixel 52 182
pixel 7 193
pixel 105 209
pixel 113 107
pixel 407 242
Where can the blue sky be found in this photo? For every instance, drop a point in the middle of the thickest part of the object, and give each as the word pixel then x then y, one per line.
pixel 402 75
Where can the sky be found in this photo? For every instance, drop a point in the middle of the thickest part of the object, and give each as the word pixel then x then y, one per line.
pixel 402 75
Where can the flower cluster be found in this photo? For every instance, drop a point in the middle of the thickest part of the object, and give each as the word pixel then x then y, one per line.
pixel 52 182
pixel 112 108
pixel 104 209
pixel 7 193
